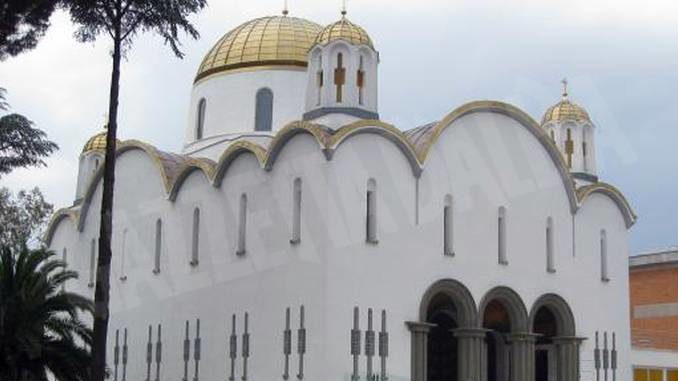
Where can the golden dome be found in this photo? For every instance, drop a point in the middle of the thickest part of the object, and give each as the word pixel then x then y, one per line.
pixel 344 30
pixel 265 41
pixel 96 143
pixel 565 110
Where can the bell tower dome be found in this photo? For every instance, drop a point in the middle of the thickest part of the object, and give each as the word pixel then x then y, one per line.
pixel 342 75
pixel 573 132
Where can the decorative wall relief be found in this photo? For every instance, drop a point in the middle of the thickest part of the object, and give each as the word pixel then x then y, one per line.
pixel 383 345
pixel 116 355
pixel 301 342
pixel 149 353
pixel 372 346
pixel 187 353
pixel 369 344
pixel 287 344
pixel 158 353
pixel 124 356
pixel 196 351
pixel 233 349
pixel 245 347
pixel 355 343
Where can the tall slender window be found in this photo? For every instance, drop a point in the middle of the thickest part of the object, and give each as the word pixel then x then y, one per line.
pixel 448 227
pixel 340 77
pixel 242 225
pixel 195 241
pixel 200 119
pixel 123 247
pixel 263 118
pixel 64 259
pixel 604 276
pixel 92 263
pixel 296 211
pixel 319 81
pixel 550 260
pixel 553 135
pixel 158 246
pixel 371 212
pixel 360 81
pixel 501 236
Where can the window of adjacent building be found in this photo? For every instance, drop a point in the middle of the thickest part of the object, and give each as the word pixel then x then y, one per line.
pixel 242 226
pixel 603 256
pixel 501 236
pixel 263 118
pixel 550 257
pixel 195 239
pixel 200 119
pixel 371 212
pixel 296 211
pixel 448 226
pixel 158 246
pixel 92 262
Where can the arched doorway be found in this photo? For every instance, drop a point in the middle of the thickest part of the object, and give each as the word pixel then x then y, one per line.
pixel 556 351
pixel 504 316
pixel 442 364
pixel 445 340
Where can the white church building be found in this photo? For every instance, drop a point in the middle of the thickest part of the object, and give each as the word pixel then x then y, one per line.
pixel 299 236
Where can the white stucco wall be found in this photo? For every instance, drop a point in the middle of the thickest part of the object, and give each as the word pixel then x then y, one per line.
pixel 484 160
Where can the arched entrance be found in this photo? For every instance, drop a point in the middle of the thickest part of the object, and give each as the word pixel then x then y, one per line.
pixel 504 316
pixel 446 340
pixel 556 351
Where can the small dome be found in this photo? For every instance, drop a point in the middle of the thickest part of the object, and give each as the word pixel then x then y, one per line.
pixel 344 30
pixel 565 110
pixel 262 42
pixel 96 143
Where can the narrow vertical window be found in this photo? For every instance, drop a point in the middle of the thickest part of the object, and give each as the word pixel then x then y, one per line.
pixel 448 227
pixel 604 276
pixel 242 225
pixel 340 77
pixel 158 246
pixel 501 236
pixel 553 135
pixel 195 239
pixel 200 119
pixel 360 81
pixel 92 263
pixel 123 247
pixel 263 118
pixel 550 260
pixel 584 149
pixel 569 148
pixel 371 212
pixel 64 259
pixel 319 81
pixel 296 212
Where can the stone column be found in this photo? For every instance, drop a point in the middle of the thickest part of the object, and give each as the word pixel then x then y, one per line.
pixel 418 363
pixel 472 353
pixel 567 352
pixel 522 355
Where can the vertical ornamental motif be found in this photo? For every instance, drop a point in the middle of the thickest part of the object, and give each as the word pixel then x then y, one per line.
pixel 383 345
pixel 245 347
pixel 116 355
pixel 301 342
pixel 233 348
pixel 369 344
pixel 158 353
pixel 124 357
pixel 149 353
pixel 196 351
pixel 187 353
pixel 287 344
pixel 355 343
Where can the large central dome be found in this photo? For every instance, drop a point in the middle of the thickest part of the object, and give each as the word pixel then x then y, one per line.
pixel 262 42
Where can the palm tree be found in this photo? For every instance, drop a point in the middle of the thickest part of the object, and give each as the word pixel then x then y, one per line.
pixel 41 331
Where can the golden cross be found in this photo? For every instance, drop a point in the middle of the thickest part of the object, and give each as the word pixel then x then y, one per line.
pixel 343 8
pixel 564 82
pixel 285 11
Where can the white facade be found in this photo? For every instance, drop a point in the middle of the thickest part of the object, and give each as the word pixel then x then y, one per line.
pixel 386 254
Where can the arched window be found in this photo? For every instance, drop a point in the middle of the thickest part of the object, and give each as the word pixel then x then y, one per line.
pixel 200 119
pixel 550 260
pixel 263 118
pixel 123 247
pixel 92 262
pixel 553 135
pixel 584 148
pixel 158 246
pixel 242 225
pixel 360 81
pixel 371 212
pixel 296 211
pixel 448 227
pixel 195 241
pixel 340 77
pixel 604 276
pixel 501 236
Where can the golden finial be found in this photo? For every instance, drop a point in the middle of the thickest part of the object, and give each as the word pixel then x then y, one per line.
pixel 564 82
pixel 343 8
pixel 285 11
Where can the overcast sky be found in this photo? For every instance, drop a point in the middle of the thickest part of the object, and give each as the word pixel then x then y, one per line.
pixel 620 57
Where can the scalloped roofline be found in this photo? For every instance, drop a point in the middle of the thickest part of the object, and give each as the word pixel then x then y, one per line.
pixel 175 169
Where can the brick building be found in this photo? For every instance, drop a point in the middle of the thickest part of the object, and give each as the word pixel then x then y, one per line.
pixel 654 315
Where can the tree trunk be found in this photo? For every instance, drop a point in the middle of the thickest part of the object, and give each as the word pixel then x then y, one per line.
pixel 101 293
